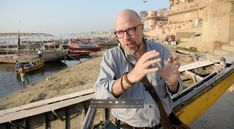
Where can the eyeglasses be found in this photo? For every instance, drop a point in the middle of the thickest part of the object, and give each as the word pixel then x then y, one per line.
pixel 130 31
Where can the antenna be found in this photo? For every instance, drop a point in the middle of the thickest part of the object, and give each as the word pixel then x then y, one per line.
pixel 18 43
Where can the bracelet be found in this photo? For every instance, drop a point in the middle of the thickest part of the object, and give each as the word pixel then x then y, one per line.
pixel 126 79
pixel 121 83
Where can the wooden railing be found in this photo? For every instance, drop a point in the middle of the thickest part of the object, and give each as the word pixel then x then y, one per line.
pixel 24 112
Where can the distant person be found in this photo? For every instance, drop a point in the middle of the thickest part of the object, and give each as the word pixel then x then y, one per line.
pixel 23 76
pixel 31 64
pixel 123 69
pixel 18 64
pixel 39 52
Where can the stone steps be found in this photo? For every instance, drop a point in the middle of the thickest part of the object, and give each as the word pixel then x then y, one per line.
pixel 221 52
pixel 225 49
pixel 228 48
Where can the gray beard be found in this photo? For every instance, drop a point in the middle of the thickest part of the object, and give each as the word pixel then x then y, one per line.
pixel 132 51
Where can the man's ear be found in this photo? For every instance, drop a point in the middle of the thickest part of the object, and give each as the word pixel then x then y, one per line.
pixel 143 27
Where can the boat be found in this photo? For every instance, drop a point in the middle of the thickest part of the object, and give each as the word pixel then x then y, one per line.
pixel 51 44
pixel 77 54
pixel 77 45
pixel 27 49
pixel 54 55
pixel 78 48
pixel 47 56
pixel 31 66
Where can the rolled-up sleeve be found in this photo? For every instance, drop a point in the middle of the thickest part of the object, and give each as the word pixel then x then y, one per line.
pixel 106 78
pixel 180 89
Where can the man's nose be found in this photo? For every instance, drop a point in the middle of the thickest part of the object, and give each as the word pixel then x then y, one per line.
pixel 126 35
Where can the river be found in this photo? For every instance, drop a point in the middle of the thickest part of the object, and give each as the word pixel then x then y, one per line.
pixel 10 83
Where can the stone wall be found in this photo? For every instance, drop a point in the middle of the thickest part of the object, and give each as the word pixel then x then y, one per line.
pixel 231 36
pixel 217 26
pixel 186 16
pixel 185 10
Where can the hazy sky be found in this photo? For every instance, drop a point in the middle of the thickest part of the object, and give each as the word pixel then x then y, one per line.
pixel 67 16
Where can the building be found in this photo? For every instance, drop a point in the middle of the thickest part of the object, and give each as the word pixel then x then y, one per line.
pixel 156 18
pixel 213 19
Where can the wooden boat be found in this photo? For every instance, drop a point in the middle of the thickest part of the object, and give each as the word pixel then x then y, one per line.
pixel 47 56
pixel 77 54
pixel 51 44
pixel 202 95
pixel 25 50
pixel 76 45
pixel 65 108
pixel 31 66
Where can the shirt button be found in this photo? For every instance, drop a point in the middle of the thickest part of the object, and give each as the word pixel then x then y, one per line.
pixel 150 106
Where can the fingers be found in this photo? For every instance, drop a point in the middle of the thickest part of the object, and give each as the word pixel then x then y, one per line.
pixel 170 60
pixel 176 65
pixel 149 55
pixel 155 69
pixel 173 64
pixel 173 61
pixel 176 58
pixel 152 62
pixel 176 62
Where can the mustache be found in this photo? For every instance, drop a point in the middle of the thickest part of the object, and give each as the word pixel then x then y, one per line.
pixel 133 50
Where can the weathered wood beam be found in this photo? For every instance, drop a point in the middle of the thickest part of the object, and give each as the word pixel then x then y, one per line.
pixel 197 64
pixel 195 76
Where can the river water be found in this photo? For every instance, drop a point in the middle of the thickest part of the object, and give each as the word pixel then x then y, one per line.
pixel 10 83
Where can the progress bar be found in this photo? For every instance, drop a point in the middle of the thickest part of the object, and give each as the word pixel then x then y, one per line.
pixel 117 103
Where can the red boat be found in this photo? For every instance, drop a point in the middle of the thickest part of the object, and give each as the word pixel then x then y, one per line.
pixel 77 45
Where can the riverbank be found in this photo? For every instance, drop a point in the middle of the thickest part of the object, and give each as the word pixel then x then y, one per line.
pixel 78 77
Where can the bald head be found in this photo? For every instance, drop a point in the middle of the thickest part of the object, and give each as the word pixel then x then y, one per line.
pixel 129 30
pixel 127 18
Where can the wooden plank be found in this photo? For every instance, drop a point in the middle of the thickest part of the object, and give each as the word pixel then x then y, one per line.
pixel 48 101
pixel 195 75
pixel 197 64
pixel 43 109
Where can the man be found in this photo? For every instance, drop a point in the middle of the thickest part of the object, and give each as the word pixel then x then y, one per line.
pixel 23 76
pixel 39 52
pixel 118 80
pixel 18 64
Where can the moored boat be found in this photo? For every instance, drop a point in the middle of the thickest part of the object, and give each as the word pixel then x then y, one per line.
pixel 31 66
pixel 25 46
pixel 47 56
pixel 76 45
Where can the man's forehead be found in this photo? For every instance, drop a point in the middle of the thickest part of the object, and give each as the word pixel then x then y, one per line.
pixel 126 19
